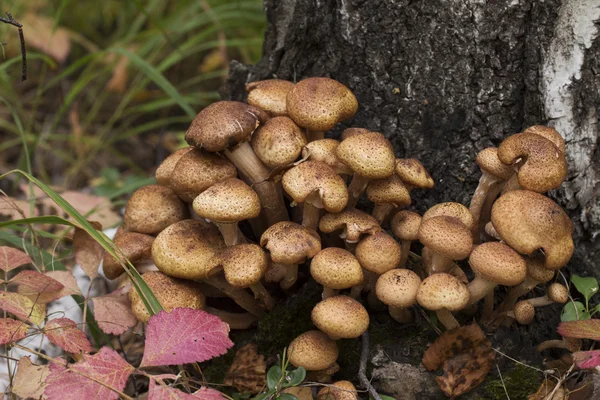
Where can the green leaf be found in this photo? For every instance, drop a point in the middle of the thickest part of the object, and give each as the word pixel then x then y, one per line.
pixel 383 397
pixel 273 376
pixel 573 311
pixel 586 286
pixel 287 396
pixel 263 396
pixel 295 377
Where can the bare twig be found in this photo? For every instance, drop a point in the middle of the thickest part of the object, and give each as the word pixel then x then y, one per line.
pixel 362 370
pixel 11 21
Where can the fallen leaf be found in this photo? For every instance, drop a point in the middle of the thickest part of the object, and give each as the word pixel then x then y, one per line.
pixel 113 312
pixel 65 278
pixel 106 366
pixel 11 258
pixel 584 329
pixel 248 371
pixel 16 209
pixel 88 252
pixel 546 390
pixel 30 379
pixel 11 330
pixel 118 81
pixel 92 207
pixel 587 359
pixel 212 61
pixel 63 332
pixel 39 282
pixel 23 307
pixel 184 335
pixel 42 35
pixel 452 342
pixel 162 392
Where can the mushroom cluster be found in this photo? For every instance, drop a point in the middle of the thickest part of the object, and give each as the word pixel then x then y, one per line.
pixel 262 201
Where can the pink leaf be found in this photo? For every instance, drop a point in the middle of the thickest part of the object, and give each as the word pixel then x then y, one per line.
pixel 12 330
pixel 11 258
pixel 63 332
pixel 88 252
pixel 586 329
pixel 22 307
pixel 587 359
pixel 30 380
pixel 65 278
pixel 113 312
pixel 40 283
pixel 106 366
pixel 183 336
pixel 160 392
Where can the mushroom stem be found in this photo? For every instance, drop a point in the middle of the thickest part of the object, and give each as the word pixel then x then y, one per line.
pixel 234 320
pixel 540 301
pixel 290 276
pixel 488 306
pixel 240 296
pixel 479 288
pixel 486 212
pixel 262 295
pixel 479 199
pixel 329 292
pixel 401 314
pixel 357 290
pixel 515 292
pixel 447 319
pixel 276 272
pixel 435 262
pixel 404 250
pixel 512 184
pixel 355 189
pixel 382 211
pixel 311 216
pixel 552 344
pixel 314 135
pixel 230 233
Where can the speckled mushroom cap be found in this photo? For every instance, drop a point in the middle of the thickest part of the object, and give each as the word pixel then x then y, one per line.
pixel 370 155
pixel 269 95
pixel 340 390
pixel 442 290
pixel 224 124
pixel 323 150
pixel 316 183
pixel 278 142
pixel 378 253
pixel 451 209
pixel 198 170
pixel 388 191
pixel 558 293
pixel 230 200
pixel 184 249
pixel 152 208
pixel 243 264
pixel 398 287
pixel 544 167
pixel 318 104
pixel 136 247
pixel 549 133
pixel 446 236
pixel 488 161
pixel 354 223
pixel 346 133
pixel 336 268
pixel 524 312
pixel 537 271
pixel 528 221
pixel 413 173
pixel 340 317
pixel 496 262
pixel 170 292
pixel 405 225
pixel 164 170
pixel 290 243
pixel 313 350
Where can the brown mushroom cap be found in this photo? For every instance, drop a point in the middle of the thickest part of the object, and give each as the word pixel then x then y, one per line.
pixel 318 104
pixel 340 390
pixel 269 95
pixel 537 271
pixel 413 173
pixel 244 264
pixel 136 247
pixel 496 262
pixel 290 243
pixel 528 221
pixel 336 268
pixel 278 142
pixel 439 291
pixel 164 170
pixel 170 292
pixel 558 293
pixel 451 209
pixel 316 183
pixel 224 124
pixel 370 155
pixel 230 200
pixel 549 133
pixel 313 350
pixel 446 236
pixel 340 317
pixel 388 191
pixel 152 208
pixel 524 312
pixel 488 161
pixel 398 287
pixel 405 225
pixel 184 249
pixel 354 223
pixel 378 253
pixel 353 132
pixel 324 150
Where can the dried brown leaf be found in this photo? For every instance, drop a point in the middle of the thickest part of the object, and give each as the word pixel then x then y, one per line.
pixel 248 370
pixel 11 258
pixel 88 252
pixel 546 392
pixel 465 371
pixel 42 35
pixel 452 342
pixel 30 379
pixel 66 278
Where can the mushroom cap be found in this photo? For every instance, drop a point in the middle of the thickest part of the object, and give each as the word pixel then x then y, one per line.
pixel 270 95
pixel 244 264
pixel 184 249
pixel 405 225
pixel 198 170
pixel 313 350
pixel 354 223
pixel 152 208
pixel 340 390
pixel 524 312
pixel 223 125
pixel 170 292
pixel 488 161
pixel 228 201
pixel 398 287
pixel 550 134
pixel 324 150
pixel 388 191
pixel 346 133
pixel 558 293
pixel 378 253
pixel 340 317
pixel 165 169
pixel 496 262
pixel 136 247
pixel 491 231
pixel 413 173
pixel 290 243
pixel 446 236
pixel 439 291
pixel 336 268
pixel 537 271
pixel 528 221
pixel 318 104
pixel 370 155
pixel 544 166
pixel 316 183
pixel 451 209
pixel 278 142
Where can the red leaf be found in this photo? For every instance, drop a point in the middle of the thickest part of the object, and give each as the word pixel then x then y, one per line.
pixel 30 380
pixel 65 278
pixel 106 366
pixel 40 283
pixel 183 336
pixel 88 252
pixel 586 329
pixel 63 332
pixel 160 392
pixel 587 359
pixel 113 312
pixel 12 330
pixel 22 307
pixel 11 258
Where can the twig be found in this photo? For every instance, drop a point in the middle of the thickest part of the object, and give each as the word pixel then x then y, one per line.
pixel 502 381
pixel 362 370
pixel 11 21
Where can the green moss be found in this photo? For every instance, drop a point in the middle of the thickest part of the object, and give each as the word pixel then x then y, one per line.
pixel 520 382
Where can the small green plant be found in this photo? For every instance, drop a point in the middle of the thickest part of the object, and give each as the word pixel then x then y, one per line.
pixel 576 310
pixel 279 379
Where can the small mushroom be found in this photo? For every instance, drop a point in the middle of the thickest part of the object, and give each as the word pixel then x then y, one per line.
pixel 270 95
pixel 354 223
pixel 340 317
pixel 571 344
pixel 135 247
pixel 405 226
pixel 524 312
pixel 377 254
pixel 398 289
pixel 278 142
pixel 165 169
pixel 335 269
pixel 413 174
pixel 324 150
pixel 387 194
pixel 313 350
pixel 443 294
pixel 548 133
pixel 446 239
pixel 556 293
pixel 340 390
pixel 152 208
pixel 346 133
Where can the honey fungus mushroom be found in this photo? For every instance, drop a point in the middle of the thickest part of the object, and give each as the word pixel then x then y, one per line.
pixel 324 150
pixel 313 350
pixel 340 390
pixel 398 289
pixel 405 226
pixel 135 247
pixel 152 208
pixel 340 317
pixel 270 95
pixel 353 222
pixel 335 269
pixel 446 239
pixel 443 294
pixel 278 142
pixel 387 194
pixel 165 169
